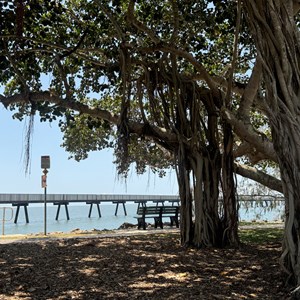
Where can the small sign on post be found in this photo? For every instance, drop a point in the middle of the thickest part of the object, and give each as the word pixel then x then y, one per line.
pixel 44 181
pixel 45 164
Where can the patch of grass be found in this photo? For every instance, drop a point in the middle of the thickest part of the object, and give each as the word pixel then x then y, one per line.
pixel 256 223
pixel 261 235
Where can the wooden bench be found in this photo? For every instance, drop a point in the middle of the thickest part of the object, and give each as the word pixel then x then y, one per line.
pixel 158 213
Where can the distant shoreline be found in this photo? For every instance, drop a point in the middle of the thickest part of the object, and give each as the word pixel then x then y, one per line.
pixel 130 231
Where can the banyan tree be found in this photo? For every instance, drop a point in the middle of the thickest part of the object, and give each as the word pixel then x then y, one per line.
pixel 194 85
pixel 141 72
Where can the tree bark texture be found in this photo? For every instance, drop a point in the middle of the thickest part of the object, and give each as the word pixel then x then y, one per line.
pixel 278 43
pixel 207 220
pixel 229 219
pixel 206 172
pixel 186 212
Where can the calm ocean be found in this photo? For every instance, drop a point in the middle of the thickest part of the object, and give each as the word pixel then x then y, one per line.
pixel 79 217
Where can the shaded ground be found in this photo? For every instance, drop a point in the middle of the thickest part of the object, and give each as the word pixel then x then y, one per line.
pixel 137 267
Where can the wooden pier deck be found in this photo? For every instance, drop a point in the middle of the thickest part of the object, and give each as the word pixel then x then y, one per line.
pixel 23 200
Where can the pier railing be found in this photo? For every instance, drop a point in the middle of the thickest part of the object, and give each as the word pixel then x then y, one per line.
pixel 51 198
pixel 23 200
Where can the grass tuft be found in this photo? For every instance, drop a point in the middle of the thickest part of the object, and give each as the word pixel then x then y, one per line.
pixel 261 235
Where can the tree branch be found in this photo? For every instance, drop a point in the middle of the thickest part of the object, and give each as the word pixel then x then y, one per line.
pixel 259 176
pixel 54 99
pixel 175 21
pixel 112 19
pixel 17 71
pixel 198 66
pixel 63 75
pixel 134 127
pixel 245 149
pixel 139 25
pixel 69 52
pixel 234 53
pixel 54 48
pixel 250 91
pixel 262 144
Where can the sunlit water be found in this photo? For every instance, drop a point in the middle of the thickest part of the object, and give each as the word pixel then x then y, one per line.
pixel 79 217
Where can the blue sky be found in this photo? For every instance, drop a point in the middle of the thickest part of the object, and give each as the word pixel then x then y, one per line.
pixel 96 174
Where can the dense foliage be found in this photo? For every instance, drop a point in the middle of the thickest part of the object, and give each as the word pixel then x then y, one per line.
pixel 84 52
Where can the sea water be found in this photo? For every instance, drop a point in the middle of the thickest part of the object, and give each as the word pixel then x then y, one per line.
pixel 78 214
pixel 79 219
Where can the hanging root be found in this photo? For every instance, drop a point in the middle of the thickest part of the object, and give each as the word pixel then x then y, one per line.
pixel 28 140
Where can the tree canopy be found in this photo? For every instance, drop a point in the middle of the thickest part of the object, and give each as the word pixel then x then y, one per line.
pixel 108 68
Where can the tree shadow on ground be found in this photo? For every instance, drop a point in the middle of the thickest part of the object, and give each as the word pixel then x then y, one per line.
pixel 137 267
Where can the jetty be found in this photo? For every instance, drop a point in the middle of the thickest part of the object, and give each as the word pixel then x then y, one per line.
pixel 24 200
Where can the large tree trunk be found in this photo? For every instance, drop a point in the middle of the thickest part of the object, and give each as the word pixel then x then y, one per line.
pixel 277 41
pixel 186 213
pixel 286 140
pixel 206 175
pixel 230 205
pixel 205 221
pixel 199 178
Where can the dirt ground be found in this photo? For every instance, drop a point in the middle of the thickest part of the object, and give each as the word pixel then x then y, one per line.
pixel 137 267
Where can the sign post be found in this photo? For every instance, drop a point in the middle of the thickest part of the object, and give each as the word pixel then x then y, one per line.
pixel 45 164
